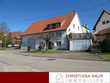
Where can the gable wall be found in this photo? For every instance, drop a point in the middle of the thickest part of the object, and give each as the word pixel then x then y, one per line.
pixel 101 26
pixel 75 26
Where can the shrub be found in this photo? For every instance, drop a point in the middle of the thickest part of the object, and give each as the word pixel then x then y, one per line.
pixel 105 45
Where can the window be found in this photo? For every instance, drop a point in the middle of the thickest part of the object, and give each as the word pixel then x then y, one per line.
pixel 78 28
pixel 107 21
pixel 103 22
pixel 69 30
pixel 73 25
pixel 59 33
pixel 53 26
pixel 58 43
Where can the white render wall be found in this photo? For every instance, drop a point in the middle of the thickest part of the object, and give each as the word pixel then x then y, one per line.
pixel 73 27
pixel 80 45
pixel 100 26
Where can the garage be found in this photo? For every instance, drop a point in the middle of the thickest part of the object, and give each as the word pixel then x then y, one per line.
pixel 80 41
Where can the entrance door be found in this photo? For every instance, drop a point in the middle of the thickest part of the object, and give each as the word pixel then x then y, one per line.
pixel 50 45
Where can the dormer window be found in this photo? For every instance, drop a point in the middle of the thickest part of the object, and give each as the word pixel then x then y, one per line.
pixel 53 26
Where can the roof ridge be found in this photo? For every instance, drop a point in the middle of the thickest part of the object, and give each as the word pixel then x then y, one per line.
pixel 107 11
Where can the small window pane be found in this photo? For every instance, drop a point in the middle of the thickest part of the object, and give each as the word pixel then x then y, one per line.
pixel 58 43
pixel 68 29
pixel 103 22
pixel 73 25
pixel 78 28
pixel 108 21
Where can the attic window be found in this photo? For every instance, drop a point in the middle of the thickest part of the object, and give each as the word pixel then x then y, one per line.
pixel 78 28
pixel 103 22
pixel 73 25
pixel 53 26
pixel 107 21
pixel 68 29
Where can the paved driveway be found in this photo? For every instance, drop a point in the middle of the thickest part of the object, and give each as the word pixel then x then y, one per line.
pixel 13 60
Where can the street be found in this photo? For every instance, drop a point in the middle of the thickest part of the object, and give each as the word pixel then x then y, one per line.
pixel 14 60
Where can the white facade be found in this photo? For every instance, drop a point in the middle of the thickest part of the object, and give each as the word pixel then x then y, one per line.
pixel 103 24
pixel 59 38
pixel 75 26
pixel 80 45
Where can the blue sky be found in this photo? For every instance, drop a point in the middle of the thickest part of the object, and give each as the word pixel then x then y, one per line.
pixel 19 14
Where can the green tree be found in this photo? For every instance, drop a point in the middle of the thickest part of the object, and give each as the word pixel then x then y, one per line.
pixel 105 45
pixel 4 34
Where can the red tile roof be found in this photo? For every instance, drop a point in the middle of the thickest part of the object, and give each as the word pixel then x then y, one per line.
pixel 15 34
pixel 38 27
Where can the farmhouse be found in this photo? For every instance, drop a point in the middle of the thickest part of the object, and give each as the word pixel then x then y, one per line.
pixel 52 33
pixel 102 29
pixel 102 26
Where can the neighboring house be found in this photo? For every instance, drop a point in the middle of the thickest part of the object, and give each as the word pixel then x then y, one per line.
pixel 85 28
pixel 102 31
pixel 102 26
pixel 1 40
pixel 52 33
pixel 16 38
pixel 103 21
pixel 4 39
pixel 0 43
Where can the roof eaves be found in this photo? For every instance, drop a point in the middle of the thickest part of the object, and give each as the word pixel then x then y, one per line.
pixel 98 19
pixel 26 34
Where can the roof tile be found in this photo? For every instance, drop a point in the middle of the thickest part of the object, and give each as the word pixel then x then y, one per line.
pixel 38 27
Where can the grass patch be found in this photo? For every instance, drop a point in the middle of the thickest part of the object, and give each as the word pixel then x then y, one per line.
pixel 46 53
pixel 105 56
